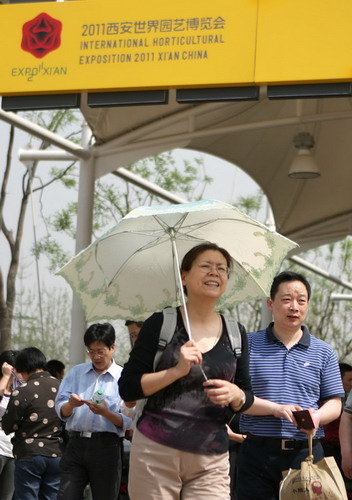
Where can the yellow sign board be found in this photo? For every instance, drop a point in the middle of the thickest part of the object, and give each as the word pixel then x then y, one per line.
pixel 304 41
pixel 93 45
pixel 87 46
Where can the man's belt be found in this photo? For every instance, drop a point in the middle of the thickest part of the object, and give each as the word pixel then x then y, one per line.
pixel 91 435
pixel 282 443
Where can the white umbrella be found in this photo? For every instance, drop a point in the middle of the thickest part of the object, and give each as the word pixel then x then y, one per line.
pixel 133 269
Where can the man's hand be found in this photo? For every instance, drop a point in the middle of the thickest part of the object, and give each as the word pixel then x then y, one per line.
pixel 103 410
pixel 308 422
pixel 75 401
pixel 97 408
pixel 285 411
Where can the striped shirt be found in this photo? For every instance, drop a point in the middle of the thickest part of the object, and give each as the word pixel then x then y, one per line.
pixel 305 375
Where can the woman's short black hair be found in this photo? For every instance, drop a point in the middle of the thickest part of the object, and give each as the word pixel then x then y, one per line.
pixel 100 332
pixel 29 360
pixel 7 357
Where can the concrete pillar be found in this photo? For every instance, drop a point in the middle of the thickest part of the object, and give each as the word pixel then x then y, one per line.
pixel 83 239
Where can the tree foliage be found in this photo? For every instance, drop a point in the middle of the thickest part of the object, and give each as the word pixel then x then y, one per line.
pixel 114 198
pixel 328 319
pixel 49 333
pixel 12 232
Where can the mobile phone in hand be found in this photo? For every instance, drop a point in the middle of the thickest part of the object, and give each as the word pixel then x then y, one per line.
pixel 304 419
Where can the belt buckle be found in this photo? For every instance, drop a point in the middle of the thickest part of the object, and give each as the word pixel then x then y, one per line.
pixel 284 444
pixel 86 434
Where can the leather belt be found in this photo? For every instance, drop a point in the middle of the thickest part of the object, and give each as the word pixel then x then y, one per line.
pixel 91 435
pixel 282 443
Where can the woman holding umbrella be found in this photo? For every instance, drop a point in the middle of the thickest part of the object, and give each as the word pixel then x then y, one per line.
pixel 180 445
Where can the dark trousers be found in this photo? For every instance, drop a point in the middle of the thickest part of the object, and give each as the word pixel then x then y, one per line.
pixel 259 469
pixel 7 477
pixel 233 454
pixel 95 461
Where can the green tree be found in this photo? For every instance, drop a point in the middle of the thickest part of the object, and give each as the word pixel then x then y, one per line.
pixel 54 338
pixel 249 313
pixel 12 232
pixel 328 319
pixel 114 198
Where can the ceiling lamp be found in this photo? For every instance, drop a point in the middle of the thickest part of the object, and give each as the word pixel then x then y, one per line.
pixel 304 165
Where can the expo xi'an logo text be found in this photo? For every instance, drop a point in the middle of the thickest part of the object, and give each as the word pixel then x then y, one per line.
pixel 41 35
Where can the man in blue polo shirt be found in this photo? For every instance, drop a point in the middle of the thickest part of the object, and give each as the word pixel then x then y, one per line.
pixel 288 366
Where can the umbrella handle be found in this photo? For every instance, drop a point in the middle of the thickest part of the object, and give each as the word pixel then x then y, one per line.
pixel 183 298
pixel 203 372
pixel 179 279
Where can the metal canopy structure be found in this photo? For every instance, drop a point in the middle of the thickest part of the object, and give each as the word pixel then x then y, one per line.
pixel 258 137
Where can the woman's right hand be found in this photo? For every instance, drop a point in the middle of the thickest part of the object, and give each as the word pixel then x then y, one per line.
pixel 6 369
pixel 189 355
pixel 156 381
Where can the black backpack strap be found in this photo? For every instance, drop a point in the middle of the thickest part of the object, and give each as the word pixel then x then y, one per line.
pixel 234 335
pixel 167 330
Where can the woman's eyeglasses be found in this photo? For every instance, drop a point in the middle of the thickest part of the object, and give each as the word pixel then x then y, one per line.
pixel 221 269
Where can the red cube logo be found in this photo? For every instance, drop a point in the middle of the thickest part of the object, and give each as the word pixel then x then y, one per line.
pixel 41 35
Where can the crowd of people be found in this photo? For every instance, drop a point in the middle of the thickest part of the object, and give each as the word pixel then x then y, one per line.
pixel 187 408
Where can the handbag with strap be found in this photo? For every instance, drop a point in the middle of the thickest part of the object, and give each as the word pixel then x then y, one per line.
pixel 320 481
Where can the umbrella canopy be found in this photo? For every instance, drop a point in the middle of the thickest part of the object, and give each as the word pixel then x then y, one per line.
pixel 133 269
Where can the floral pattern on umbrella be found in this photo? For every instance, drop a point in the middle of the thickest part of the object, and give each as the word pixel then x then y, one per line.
pixel 132 270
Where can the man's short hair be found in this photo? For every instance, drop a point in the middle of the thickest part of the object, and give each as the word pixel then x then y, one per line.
pixel 100 332
pixel 132 321
pixel 288 276
pixel 344 367
pixel 55 367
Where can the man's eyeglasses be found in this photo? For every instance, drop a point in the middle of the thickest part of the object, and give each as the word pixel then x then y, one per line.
pixel 221 269
pixel 100 352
